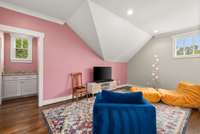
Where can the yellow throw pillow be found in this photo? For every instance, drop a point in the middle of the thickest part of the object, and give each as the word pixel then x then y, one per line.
pixel 150 94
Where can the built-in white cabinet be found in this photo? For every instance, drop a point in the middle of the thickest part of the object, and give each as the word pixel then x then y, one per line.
pixel 19 85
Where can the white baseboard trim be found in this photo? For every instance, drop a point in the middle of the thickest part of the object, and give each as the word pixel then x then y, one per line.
pixel 56 100
pixel 60 99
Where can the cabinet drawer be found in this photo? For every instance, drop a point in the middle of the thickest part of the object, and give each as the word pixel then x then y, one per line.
pixel 10 78
pixel 27 77
pixel 28 86
pixel 10 88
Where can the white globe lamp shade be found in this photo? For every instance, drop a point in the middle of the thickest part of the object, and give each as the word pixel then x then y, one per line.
pixel 155 55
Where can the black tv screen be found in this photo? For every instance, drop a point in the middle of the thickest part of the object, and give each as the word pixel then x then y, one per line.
pixel 102 74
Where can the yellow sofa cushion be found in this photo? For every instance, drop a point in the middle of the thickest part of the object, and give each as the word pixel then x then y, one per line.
pixel 185 95
pixel 172 97
pixel 149 94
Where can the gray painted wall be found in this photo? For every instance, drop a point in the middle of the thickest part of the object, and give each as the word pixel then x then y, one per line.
pixel 172 70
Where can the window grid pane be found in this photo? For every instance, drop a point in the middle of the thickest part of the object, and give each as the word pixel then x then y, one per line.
pixel 21 51
pixel 188 46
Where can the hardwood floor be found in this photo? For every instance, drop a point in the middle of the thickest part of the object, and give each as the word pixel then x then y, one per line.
pixel 194 123
pixel 22 116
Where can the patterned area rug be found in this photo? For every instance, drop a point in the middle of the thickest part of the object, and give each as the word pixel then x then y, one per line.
pixel 76 118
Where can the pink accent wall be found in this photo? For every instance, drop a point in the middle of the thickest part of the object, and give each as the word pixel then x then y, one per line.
pixel 19 66
pixel 64 53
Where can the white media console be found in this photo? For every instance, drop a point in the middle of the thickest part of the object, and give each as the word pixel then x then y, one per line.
pixel 94 87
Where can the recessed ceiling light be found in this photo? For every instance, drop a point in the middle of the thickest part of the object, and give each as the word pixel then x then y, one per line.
pixel 155 31
pixel 129 12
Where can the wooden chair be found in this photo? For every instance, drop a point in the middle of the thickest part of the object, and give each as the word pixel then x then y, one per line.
pixel 78 89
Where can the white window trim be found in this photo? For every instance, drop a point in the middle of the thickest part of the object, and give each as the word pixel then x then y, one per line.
pixel 174 38
pixel 13 48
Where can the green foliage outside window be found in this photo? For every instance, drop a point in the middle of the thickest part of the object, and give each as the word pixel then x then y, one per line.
pixel 18 43
pixel 25 43
pixel 188 46
pixel 21 48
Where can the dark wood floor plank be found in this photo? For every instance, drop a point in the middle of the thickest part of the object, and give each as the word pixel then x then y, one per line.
pixel 194 123
pixel 22 116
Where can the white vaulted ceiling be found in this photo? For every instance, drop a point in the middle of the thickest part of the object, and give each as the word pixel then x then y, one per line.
pixel 105 26
pixel 119 39
pixel 82 23
pixel 110 36
pixel 162 15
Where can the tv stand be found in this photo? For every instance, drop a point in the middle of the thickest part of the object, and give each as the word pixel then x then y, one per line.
pixel 95 87
pixel 103 81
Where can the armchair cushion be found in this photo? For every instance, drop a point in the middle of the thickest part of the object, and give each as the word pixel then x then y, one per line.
pixel 125 98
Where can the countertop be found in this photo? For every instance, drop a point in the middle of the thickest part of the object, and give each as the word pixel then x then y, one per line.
pixel 18 73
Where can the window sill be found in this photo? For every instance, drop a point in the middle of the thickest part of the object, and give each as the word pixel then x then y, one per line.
pixel 184 57
pixel 21 61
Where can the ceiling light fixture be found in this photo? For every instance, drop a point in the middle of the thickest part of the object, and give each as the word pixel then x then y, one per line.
pixel 129 12
pixel 155 31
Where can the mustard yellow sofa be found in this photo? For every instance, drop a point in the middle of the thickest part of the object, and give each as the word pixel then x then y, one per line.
pixel 185 95
pixel 150 94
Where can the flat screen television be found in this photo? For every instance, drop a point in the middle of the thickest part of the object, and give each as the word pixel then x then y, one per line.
pixel 102 74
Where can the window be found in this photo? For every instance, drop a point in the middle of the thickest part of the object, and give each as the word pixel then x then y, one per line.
pixel 21 48
pixel 187 45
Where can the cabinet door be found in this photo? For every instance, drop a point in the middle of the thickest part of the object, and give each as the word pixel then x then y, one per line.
pixel 10 88
pixel 28 86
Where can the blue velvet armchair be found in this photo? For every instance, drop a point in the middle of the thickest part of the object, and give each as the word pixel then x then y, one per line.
pixel 121 117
